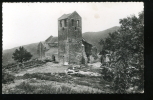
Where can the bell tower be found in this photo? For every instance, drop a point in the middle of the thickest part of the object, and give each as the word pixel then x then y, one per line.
pixel 70 38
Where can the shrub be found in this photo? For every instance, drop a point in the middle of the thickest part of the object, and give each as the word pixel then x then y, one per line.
pixel 26 86
pixel 78 75
pixel 56 62
pixel 6 78
pixel 46 76
pixel 47 60
pixel 61 74
pixel 107 74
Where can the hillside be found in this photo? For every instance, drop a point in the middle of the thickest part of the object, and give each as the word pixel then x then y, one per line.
pixel 94 37
pixel 7 54
pixel 91 37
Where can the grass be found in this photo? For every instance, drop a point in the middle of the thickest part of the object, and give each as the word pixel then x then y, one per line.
pixel 26 88
pixel 62 77
pixel 15 68
pixel 91 81
pixel 85 83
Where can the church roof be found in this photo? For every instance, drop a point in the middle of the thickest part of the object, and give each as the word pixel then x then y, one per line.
pixel 52 39
pixel 86 41
pixel 64 16
pixel 52 51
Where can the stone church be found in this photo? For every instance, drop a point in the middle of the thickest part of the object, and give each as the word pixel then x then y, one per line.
pixel 69 47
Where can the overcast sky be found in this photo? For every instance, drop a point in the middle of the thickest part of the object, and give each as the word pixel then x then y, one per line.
pixel 26 23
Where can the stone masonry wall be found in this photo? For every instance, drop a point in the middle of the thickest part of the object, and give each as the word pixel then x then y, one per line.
pixel 70 40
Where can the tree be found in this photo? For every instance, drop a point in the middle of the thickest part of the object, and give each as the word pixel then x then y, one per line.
pixel 21 55
pixel 127 46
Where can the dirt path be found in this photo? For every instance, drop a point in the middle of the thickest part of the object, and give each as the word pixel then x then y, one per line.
pixel 46 68
pixel 51 68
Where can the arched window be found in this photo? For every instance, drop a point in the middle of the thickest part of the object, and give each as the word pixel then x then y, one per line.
pixel 60 23
pixel 65 23
pixel 77 23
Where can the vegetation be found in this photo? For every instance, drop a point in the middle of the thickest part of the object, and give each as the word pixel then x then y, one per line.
pixel 7 78
pixel 21 55
pixel 48 76
pixel 26 88
pixel 30 64
pixel 126 47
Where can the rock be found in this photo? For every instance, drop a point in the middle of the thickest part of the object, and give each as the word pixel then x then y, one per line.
pixel 66 63
pixel 34 78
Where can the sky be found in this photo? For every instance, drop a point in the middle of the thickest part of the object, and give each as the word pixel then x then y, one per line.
pixel 26 23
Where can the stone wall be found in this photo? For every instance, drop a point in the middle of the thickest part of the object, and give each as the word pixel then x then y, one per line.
pixel 88 49
pixel 41 50
pixel 62 40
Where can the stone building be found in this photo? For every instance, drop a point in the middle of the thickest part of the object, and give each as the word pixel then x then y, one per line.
pixel 69 47
pixel 70 38
pixel 48 48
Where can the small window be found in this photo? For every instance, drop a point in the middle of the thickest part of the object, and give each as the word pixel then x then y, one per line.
pixel 72 22
pixel 65 23
pixel 77 23
pixel 60 23
pixel 75 28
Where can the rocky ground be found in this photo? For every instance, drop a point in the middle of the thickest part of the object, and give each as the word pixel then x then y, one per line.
pixel 52 68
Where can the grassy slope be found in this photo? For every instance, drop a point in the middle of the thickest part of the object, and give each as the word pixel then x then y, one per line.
pixel 7 54
pixel 91 37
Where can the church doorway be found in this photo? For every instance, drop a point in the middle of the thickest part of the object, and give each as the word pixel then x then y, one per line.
pixel 82 60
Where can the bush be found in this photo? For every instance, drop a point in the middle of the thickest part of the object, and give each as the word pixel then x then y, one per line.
pixel 7 78
pixel 56 62
pixel 26 86
pixel 78 75
pixel 47 60
pixel 107 74
pixel 61 74
pixel 45 76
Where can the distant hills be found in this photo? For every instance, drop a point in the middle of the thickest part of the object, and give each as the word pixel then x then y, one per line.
pixel 94 37
pixel 91 37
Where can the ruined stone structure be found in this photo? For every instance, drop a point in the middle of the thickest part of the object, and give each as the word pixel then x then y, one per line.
pixel 41 50
pixel 48 48
pixel 70 38
pixel 69 47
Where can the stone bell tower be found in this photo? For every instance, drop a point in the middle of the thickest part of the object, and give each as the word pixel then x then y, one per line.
pixel 70 38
